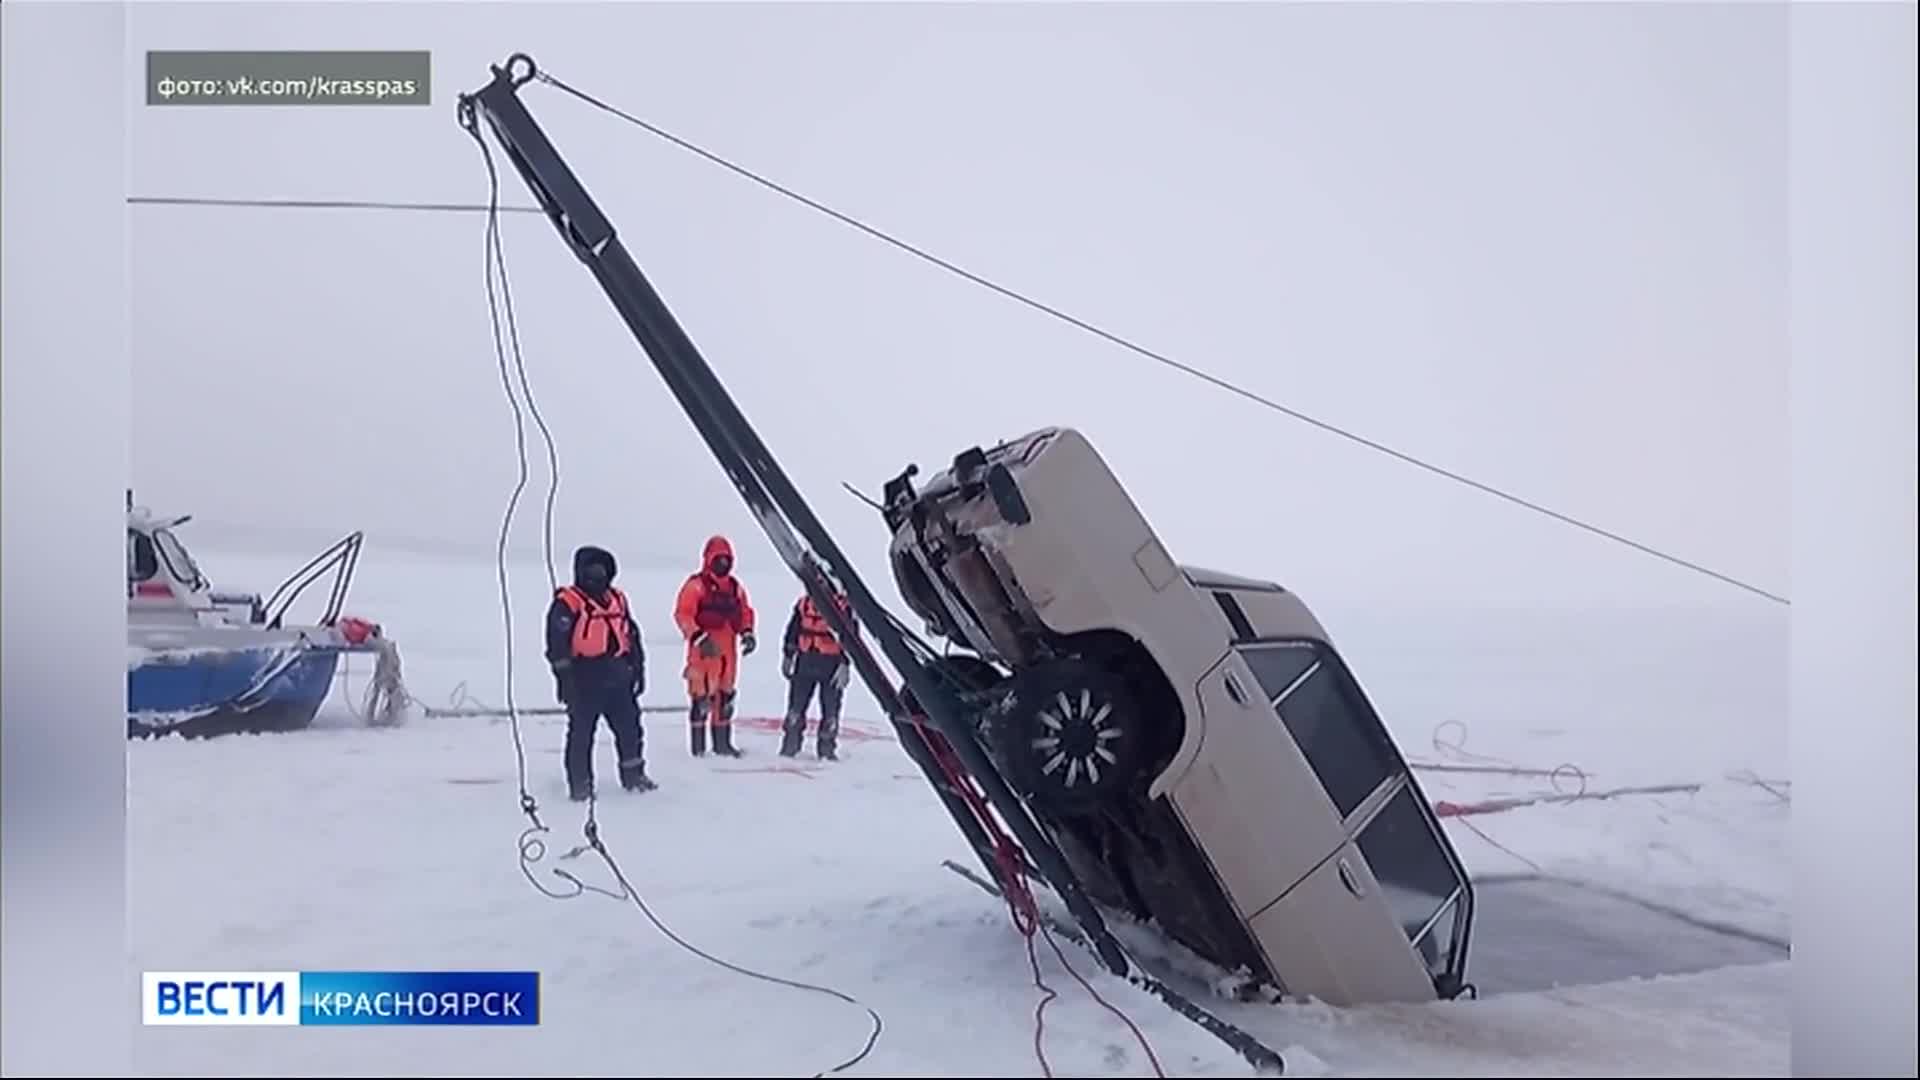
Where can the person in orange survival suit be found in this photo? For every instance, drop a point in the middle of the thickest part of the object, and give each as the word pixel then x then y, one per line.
pixel 716 618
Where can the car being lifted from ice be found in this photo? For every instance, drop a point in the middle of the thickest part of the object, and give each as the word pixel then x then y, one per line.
pixel 1192 740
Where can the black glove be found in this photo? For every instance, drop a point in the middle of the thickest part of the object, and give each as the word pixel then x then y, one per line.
pixel 747 643
pixel 560 686
pixel 787 662
pixel 639 684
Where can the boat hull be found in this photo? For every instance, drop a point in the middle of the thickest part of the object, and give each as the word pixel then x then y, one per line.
pixel 214 688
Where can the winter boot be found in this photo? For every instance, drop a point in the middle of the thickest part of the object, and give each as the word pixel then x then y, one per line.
pixel 579 790
pixel 792 734
pixel 697 728
pixel 723 728
pixel 827 739
pixel 634 777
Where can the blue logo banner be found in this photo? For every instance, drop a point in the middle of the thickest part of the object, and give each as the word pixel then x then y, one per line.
pixel 485 998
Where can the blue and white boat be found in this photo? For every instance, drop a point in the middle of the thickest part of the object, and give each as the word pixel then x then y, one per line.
pixel 204 662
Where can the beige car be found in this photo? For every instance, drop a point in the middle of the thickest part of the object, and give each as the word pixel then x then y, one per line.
pixel 1192 740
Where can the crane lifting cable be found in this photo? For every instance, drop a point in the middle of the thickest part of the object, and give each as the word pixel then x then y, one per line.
pixel 934 723
pixel 1159 357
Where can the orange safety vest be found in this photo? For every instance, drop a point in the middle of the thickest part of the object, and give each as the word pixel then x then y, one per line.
pixel 816 633
pixel 598 630
pixel 719 607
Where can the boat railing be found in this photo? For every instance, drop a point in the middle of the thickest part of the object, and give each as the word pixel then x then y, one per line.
pixel 342 558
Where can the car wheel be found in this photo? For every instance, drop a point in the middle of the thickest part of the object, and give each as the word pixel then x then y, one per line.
pixel 1072 736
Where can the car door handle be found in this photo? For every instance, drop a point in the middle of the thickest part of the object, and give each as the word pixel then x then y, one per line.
pixel 1234 691
pixel 1350 879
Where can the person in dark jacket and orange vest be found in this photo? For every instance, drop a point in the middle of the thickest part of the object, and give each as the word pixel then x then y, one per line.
pixel 813 659
pixel 716 618
pixel 599 669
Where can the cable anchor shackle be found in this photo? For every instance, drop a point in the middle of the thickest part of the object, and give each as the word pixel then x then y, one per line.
pixel 506 72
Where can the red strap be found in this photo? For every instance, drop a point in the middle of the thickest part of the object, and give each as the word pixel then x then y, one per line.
pixel 1006 852
pixel 1011 870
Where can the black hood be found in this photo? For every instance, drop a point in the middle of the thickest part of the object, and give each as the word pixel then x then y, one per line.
pixel 590 554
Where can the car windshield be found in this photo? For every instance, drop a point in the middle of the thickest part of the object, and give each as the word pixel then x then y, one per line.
pixel 177 559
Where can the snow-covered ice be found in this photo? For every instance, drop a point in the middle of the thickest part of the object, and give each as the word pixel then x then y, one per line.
pixel 344 847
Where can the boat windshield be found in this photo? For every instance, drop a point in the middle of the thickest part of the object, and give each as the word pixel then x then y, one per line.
pixel 174 553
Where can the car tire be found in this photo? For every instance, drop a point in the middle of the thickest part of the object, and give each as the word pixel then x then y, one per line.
pixel 1071 735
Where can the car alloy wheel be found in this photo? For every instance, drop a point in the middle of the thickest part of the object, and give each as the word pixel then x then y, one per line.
pixel 1071 735
pixel 1074 736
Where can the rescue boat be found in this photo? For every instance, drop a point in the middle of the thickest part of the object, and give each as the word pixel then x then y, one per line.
pixel 203 661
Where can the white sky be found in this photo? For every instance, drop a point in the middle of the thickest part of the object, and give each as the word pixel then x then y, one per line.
pixel 1543 245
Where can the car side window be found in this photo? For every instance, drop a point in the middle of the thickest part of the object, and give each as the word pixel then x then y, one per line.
pixel 1277 666
pixel 1409 863
pixel 1339 735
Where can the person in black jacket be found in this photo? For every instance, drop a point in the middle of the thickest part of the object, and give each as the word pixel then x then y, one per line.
pixel 599 669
